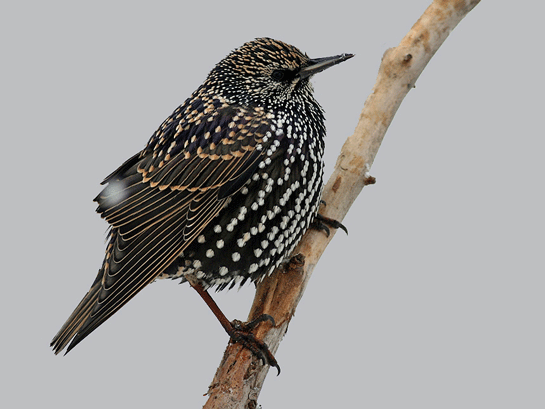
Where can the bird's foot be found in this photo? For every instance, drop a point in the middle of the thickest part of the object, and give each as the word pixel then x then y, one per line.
pixel 241 333
pixel 323 223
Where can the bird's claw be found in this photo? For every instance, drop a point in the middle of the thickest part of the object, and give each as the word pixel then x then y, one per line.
pixel 241 334
pixel 323 223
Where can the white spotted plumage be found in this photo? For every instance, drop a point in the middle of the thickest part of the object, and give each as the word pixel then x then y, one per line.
pixel 223 190
pixel 266 218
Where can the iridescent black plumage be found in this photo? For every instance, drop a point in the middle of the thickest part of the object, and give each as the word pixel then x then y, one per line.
pixel 224 189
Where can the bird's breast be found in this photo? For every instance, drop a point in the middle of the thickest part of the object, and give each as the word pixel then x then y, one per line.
pixel 260 224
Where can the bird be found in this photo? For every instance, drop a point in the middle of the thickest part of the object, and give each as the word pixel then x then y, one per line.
pixel 222 192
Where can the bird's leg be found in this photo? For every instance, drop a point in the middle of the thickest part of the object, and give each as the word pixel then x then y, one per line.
pixel 239 331
pixel 323 223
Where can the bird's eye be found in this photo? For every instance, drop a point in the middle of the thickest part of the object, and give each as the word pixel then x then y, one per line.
pixel 278 75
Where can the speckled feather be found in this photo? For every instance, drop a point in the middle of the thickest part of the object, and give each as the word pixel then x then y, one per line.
pixel 224 189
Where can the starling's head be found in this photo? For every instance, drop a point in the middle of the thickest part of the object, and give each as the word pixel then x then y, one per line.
pixel 267 71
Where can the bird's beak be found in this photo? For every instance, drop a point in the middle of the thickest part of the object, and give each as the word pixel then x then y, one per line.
pixel 317 65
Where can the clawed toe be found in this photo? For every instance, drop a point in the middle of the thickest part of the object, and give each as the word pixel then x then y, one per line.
pixel 241 334
pixel 323 223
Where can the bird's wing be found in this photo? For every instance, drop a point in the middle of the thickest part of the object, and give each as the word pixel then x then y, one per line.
pixel 159 200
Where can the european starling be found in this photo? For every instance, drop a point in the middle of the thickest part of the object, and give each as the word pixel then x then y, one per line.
pixel 223 191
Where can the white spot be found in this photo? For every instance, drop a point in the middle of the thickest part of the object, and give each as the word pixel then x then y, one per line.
pixel 260 227
pixel 242 213
pixel 217 228
pixel 219 244
pixel 253 231
pixel 209 253
pixel 201 239
pixel 115 193
pixel 253 268
pixel 264 244
pixel 236 256
pixel 293 227
pixel 197 264
pixel 223 271
pixel 258 252
pixel 232 224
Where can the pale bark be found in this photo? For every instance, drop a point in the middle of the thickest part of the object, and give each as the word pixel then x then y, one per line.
pixel 239 378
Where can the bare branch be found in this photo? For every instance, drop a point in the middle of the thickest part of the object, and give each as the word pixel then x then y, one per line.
pixel 239 378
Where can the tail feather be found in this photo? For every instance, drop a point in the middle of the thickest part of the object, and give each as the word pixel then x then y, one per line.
pixel 76 320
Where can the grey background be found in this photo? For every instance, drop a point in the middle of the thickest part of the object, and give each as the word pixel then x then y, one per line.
pixel 434 300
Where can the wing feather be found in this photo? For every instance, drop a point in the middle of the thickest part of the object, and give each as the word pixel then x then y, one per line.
pixel 159 200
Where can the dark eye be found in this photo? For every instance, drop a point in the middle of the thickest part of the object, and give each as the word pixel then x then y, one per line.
pixel 278 75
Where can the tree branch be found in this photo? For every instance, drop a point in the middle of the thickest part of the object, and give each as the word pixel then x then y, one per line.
pixel 239 378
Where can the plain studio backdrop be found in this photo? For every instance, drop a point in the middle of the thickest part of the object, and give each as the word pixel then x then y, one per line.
pixel 434 299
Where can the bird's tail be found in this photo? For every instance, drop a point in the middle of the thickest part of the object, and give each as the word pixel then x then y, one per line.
pixel 80 315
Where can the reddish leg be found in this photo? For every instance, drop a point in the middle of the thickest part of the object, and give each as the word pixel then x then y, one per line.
pixel 240 332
